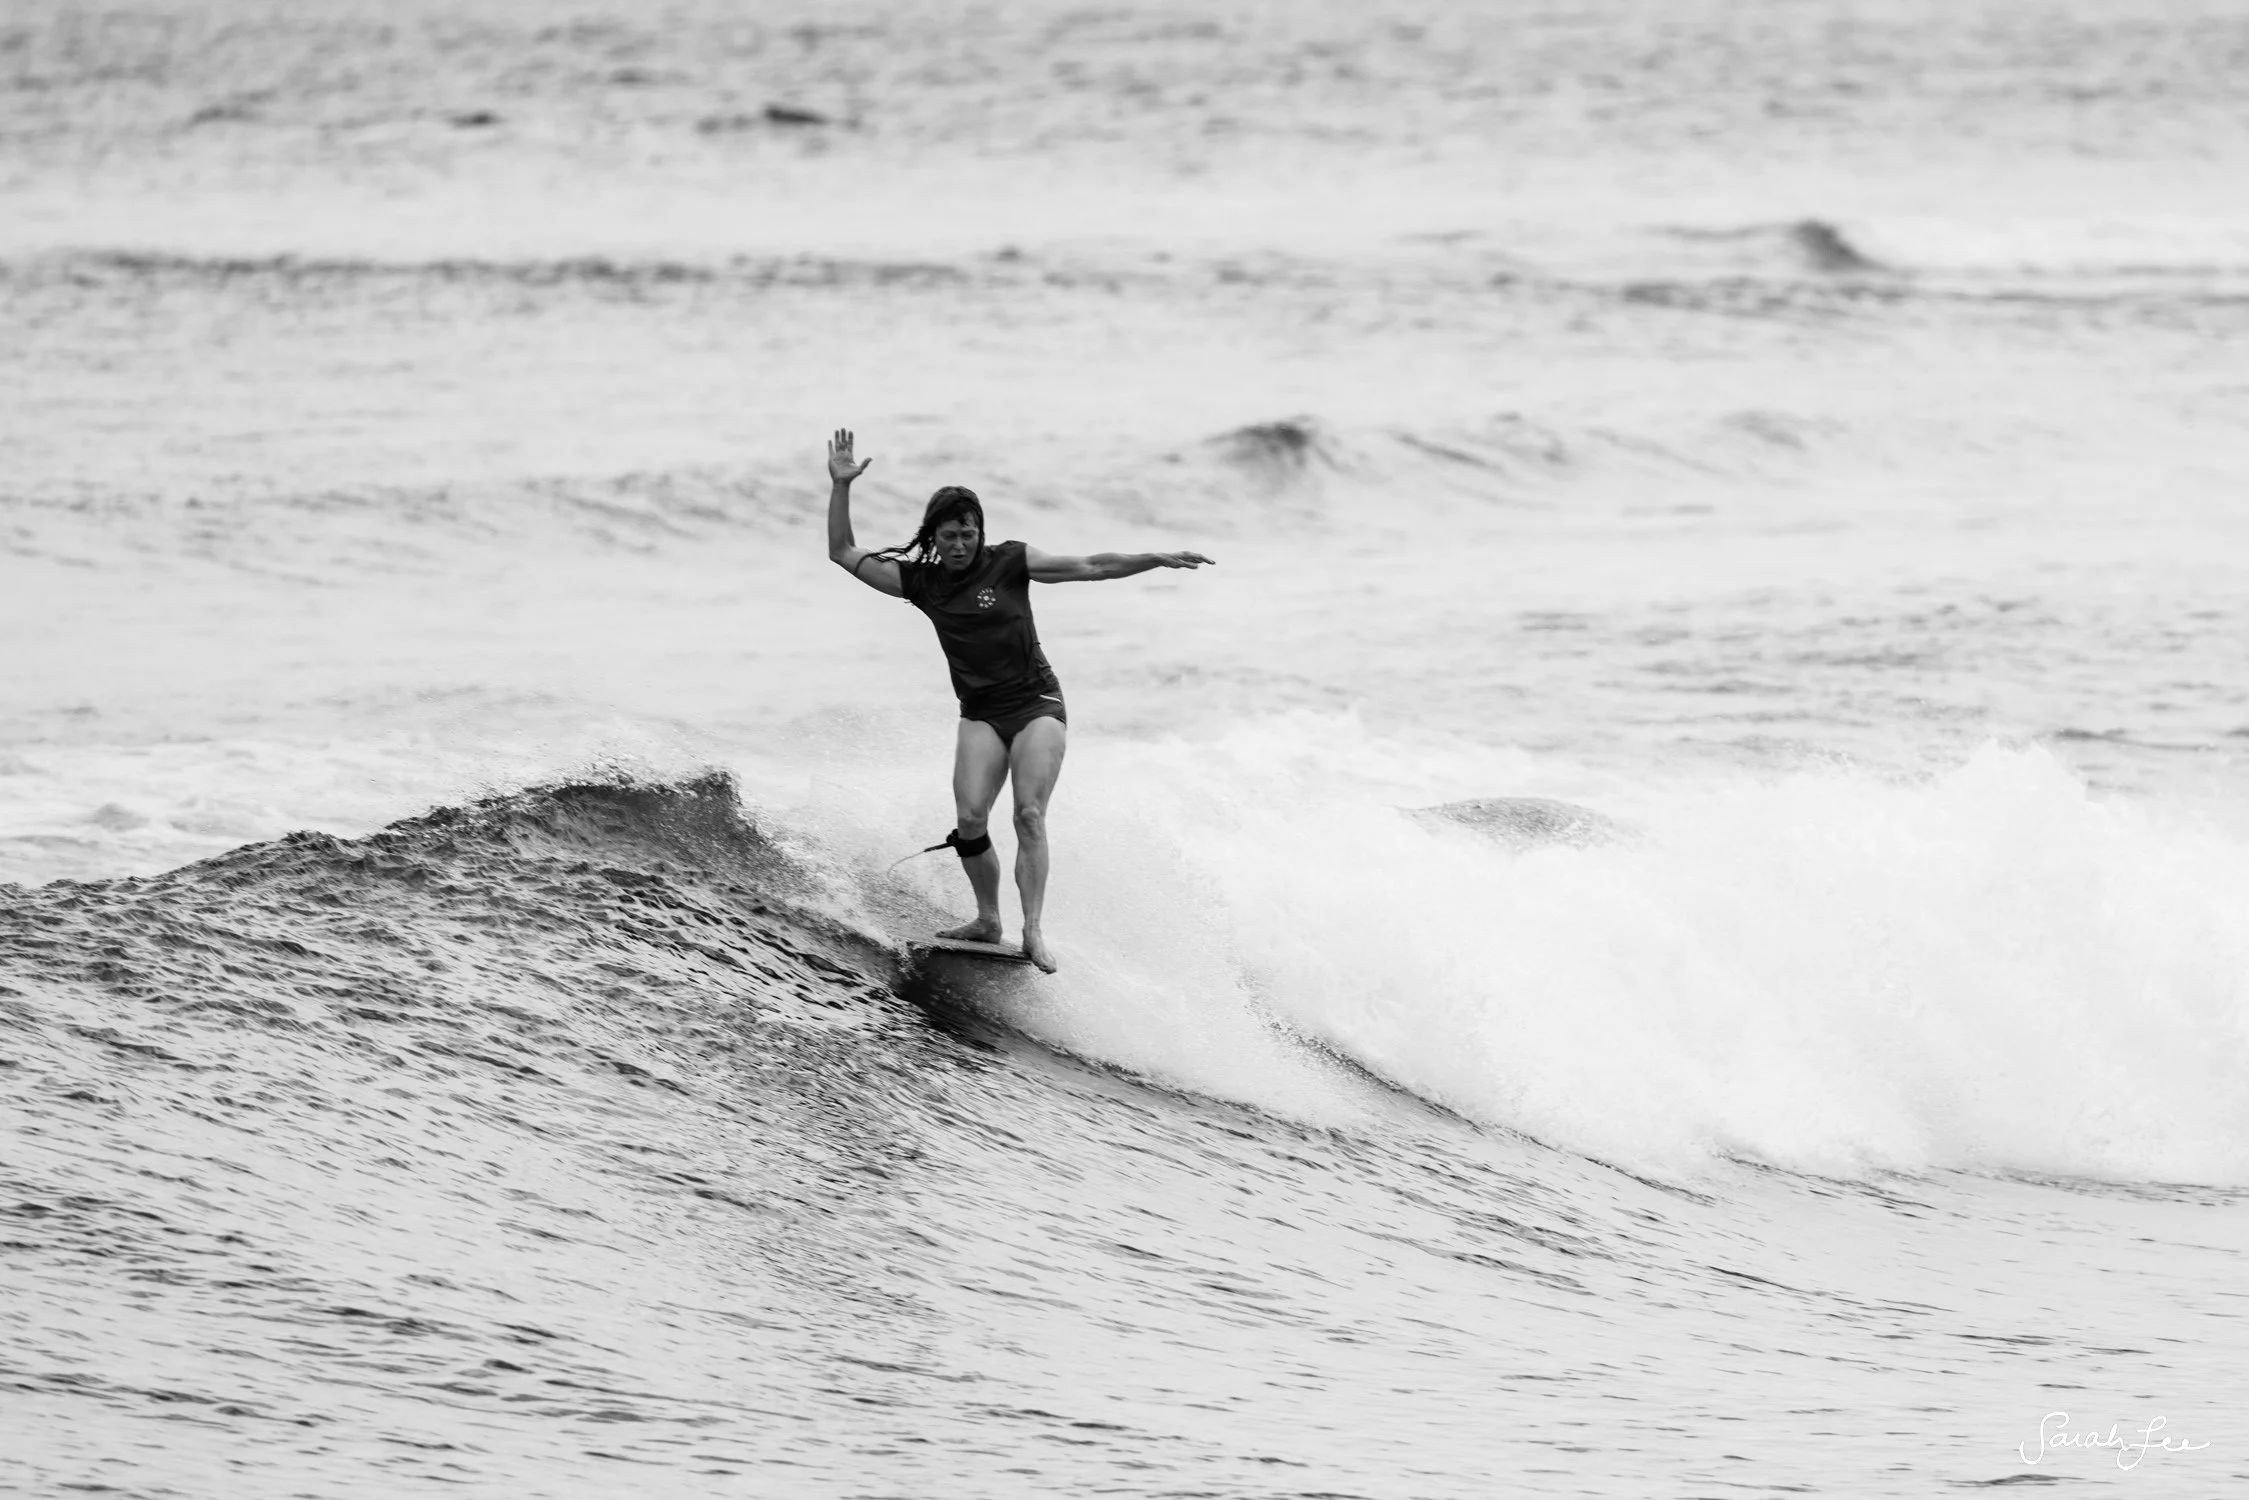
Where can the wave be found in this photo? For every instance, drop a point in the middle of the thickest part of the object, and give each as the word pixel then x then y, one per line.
pixel 595 271
pixel 1304 464
pixel 1799 264
pixel 1311 467
pixel 1816 245
pixel 582 925
pixel 1990 971
pixel 1820 263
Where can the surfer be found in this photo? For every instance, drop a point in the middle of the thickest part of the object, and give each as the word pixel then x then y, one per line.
pixel 1013 722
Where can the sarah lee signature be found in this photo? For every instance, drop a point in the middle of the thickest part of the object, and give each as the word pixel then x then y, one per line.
pixel 2055 1435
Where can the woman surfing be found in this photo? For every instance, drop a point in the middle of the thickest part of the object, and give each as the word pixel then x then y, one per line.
pixel 1013 723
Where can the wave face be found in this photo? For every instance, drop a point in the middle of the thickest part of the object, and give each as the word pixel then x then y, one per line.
pixel 565 1129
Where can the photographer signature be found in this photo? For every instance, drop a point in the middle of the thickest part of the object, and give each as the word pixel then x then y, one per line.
pixel 2055 1435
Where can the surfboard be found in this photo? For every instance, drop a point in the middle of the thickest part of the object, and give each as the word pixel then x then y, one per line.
pixel 996 951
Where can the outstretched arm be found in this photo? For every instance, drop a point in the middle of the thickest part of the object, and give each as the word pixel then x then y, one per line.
pixel 1047 568
pixel 880 573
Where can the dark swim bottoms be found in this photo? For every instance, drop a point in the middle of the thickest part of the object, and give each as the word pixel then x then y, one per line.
pixel 1008 726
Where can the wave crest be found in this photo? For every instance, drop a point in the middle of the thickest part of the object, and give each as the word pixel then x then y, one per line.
pixel 535 923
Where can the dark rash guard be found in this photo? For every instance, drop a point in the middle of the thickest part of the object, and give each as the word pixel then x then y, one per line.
pixel 983 620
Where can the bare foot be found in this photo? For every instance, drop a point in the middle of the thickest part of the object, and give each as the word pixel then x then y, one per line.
pixel 1035 949
pixel 982 930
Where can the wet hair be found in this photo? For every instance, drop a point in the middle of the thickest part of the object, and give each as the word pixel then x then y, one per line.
pixel 952 503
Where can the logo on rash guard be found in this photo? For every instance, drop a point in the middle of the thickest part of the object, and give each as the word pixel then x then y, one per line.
pixel 985 598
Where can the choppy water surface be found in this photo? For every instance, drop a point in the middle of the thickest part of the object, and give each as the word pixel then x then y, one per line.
pixel 1668 921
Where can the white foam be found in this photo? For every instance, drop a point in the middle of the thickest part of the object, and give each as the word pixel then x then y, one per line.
pixel 1992 969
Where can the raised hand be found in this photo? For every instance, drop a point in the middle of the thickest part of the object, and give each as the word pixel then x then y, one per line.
pixel 1181 559
pixel 841 469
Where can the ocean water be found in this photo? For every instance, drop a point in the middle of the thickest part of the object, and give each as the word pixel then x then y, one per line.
pixel 1672 918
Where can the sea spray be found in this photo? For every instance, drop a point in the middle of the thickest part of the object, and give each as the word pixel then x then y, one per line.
pixel 1988 970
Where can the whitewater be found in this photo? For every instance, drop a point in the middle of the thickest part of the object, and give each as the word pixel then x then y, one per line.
pixel 1672 918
